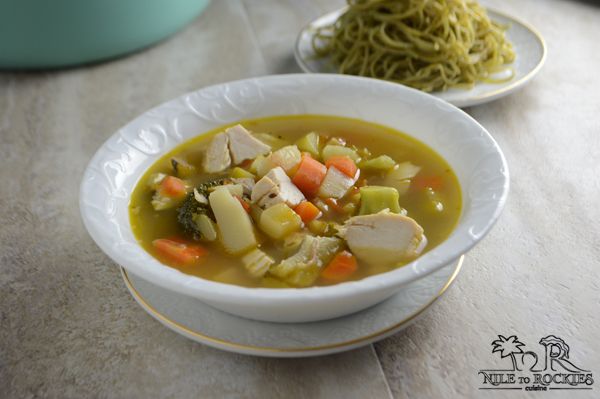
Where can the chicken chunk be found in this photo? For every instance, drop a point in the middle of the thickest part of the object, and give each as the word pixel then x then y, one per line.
pixel 243 146
pixel 383 237
pixel 257 262
pixel 276 188
pixel 216 157
pixel 262 188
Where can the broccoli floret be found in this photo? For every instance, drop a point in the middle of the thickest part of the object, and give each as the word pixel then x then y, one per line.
pixel 191 207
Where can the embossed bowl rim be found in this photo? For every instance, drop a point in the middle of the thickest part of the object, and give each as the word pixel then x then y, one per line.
pixel 116 167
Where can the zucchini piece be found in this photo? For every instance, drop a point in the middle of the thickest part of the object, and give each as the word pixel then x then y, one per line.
pixel 374 199
pixel 381 163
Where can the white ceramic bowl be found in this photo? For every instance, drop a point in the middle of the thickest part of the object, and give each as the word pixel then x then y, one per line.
pixel 117 166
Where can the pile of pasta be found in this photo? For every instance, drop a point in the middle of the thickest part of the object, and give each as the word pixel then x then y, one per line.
pixel 426 44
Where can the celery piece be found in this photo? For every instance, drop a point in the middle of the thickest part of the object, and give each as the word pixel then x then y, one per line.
pixel 207 227
pixel 400 176
pixel 323 229
pixel 382 162
pixel 310 144
pixel 255 166
pixel 405 170
pixel 320 204
pixel 239 173
pixel 350 208
pixel 255 212
pixel 279 221
pixel 331 151
pixel 291 242
pixel 374 199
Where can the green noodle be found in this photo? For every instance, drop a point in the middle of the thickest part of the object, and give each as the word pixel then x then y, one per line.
pixel 426 44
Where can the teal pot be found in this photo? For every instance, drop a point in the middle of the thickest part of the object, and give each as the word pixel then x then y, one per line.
pixel 59 33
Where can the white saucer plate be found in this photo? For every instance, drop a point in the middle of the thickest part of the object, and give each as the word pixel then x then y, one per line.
pixel 529 46
pixel 194 319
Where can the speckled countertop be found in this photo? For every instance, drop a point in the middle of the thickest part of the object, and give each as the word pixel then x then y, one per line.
pixel 70 329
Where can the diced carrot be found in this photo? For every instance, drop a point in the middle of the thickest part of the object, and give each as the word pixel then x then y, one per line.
pixel 171 187
pixel 244 203
pixel 342 266
pixel 307 211
pixel 344 164
pixel 420 183
pixel 309 175
pixel 180 250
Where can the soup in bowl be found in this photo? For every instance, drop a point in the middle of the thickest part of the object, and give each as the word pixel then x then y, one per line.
pixel 294 198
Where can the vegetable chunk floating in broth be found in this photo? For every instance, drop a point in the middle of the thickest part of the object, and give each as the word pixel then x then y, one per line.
pixel 295 201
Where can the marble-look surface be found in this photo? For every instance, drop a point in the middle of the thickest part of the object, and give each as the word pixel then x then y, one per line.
pixel 70 329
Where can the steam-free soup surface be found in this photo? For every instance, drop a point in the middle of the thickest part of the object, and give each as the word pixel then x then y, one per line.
pixel 396 188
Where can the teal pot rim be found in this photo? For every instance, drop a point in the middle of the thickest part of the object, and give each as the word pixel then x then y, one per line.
pixel 37 34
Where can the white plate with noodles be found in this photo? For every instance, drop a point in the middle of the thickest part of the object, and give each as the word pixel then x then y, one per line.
pixel 528 47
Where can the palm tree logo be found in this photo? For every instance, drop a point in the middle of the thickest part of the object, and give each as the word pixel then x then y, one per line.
pixel 508 347
pixel 556 354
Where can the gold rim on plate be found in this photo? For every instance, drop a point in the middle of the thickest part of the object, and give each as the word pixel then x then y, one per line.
pixel 370 338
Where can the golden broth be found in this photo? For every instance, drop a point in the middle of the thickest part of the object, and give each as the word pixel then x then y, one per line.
pixel 148 224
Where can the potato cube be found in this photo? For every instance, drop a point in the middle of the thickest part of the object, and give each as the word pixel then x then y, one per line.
pixel 279 220
pixel 288 158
